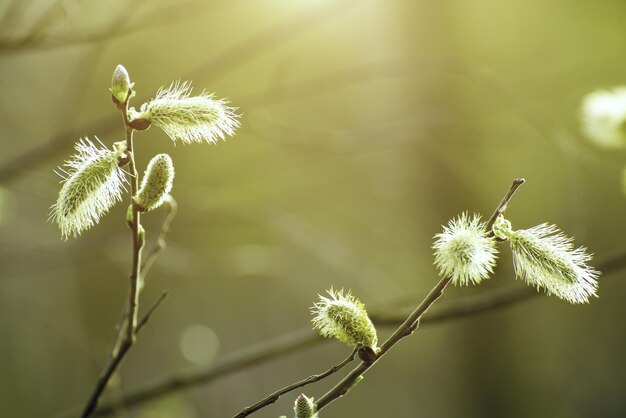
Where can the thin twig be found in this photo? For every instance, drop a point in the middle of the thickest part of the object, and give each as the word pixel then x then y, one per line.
pixel 412 321
pixel 142 323
pixel 158 247
pixel 311 379
pixel 159 243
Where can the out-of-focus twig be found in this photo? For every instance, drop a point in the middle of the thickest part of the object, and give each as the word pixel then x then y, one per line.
pixel 218 65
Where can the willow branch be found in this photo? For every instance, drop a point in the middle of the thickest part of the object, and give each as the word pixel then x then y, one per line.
pixel 303 338
pixel 412 321
pixel 311 379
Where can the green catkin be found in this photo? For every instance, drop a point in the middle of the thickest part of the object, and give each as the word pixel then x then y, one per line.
pixel 344 317
pixel 156 183
pixel 187 118
pixel 546 258
pixel 93 182
pixel 464 252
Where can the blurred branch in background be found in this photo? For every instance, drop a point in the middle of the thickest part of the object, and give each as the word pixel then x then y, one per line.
pixel 214 67
pixel 46 27
pixel 303 338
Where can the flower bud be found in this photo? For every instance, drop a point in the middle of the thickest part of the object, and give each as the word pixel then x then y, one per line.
pixel 344 317
pixel 156 183
pixel 502 228
pixel 120 84
pixel 305 407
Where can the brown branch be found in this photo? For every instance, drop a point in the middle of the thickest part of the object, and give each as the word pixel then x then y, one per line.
pixel 116 360
pixel 311 379
pixel 412 321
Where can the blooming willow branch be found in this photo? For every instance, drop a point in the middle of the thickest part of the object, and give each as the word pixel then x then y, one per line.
pixel 95 182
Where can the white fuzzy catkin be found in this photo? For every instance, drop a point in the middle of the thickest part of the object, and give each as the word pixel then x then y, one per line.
pixel 92 183
pixel 156 183
pixel 603 117
pixel 546 258
pixel 189 118
pixel 464 252
pixel 343 316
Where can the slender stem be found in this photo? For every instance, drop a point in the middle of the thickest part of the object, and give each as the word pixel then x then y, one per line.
pixel 135 226
pixel 503 204
pixel 311 379
pixel 412 321
pixel 119 350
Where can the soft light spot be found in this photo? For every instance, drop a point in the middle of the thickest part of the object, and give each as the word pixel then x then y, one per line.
pixel 199 344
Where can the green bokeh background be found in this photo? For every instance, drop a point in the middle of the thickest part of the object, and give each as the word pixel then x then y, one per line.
pixel 366 125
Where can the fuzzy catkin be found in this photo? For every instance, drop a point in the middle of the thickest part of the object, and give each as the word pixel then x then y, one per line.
pixel 464 252
pixel 343 316
pixel 156 183
pixel 187 118
pixel 544 257
pixel 92 183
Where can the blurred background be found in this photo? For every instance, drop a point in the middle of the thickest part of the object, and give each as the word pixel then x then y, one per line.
pixel 366 125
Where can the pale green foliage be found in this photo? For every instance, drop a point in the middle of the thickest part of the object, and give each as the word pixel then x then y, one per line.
pixel 305 407
pixel 156 183
pixel 189 118
pixel 464 252
pixel 92 183
pixel 604 117
pixel 343 316
pixel 120 84
pixel 546 258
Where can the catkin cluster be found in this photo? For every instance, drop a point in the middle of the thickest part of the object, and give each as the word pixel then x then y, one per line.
pixel 94 178
pixel 542 256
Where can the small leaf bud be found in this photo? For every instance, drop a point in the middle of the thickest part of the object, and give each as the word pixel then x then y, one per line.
pixel 120 85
